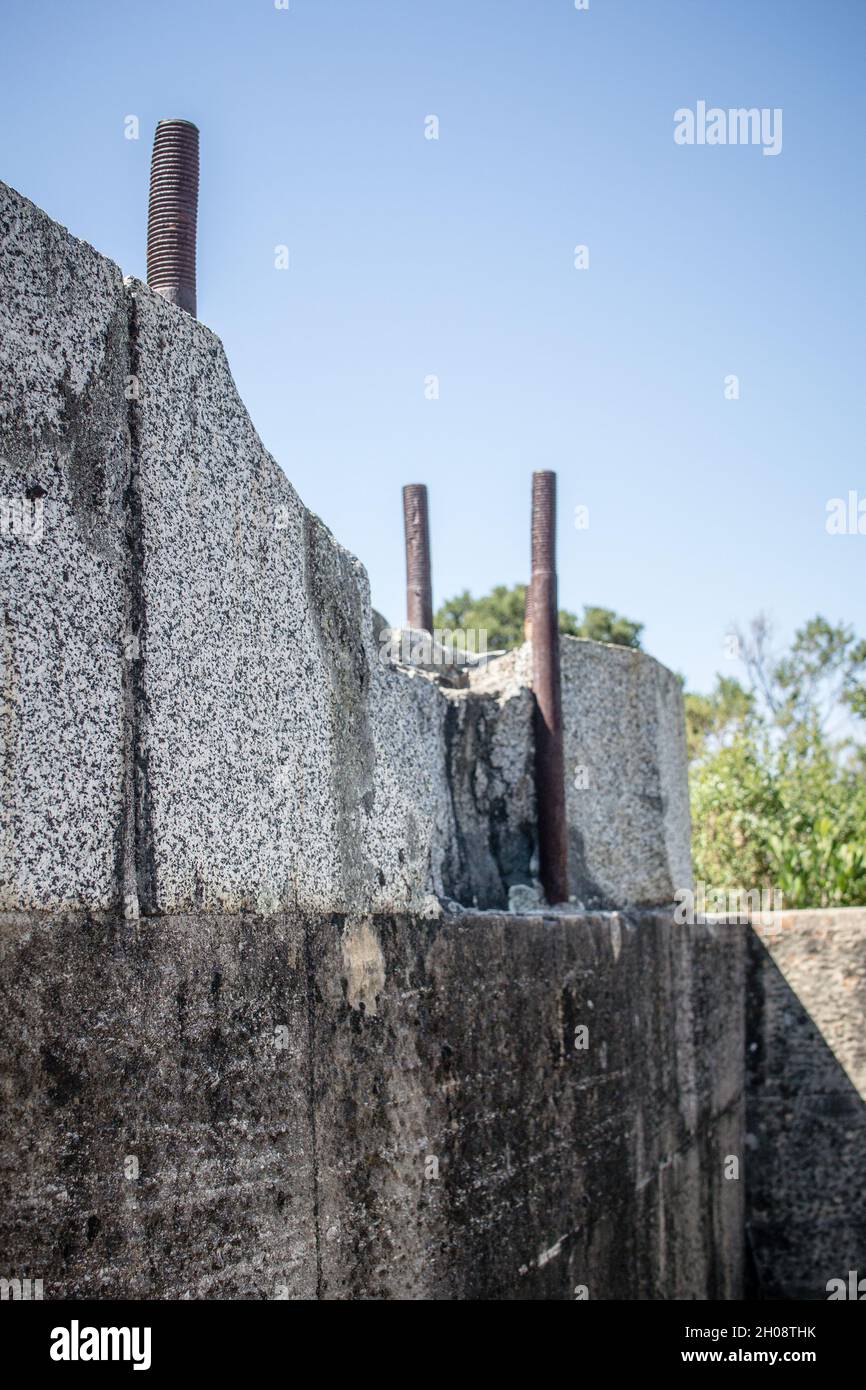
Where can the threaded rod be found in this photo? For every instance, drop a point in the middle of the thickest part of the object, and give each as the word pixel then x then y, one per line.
pixel 173 212
pixel 419 586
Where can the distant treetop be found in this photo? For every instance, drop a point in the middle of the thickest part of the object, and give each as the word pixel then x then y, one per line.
pixel 501 613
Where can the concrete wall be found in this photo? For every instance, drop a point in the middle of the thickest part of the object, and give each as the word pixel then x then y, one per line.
pixel 806 1112
pixel 282 1085
pixel 242 1014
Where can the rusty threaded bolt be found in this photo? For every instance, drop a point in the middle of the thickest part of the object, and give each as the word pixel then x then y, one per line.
pixel 172 213
pixel 547 687
pixel 419 586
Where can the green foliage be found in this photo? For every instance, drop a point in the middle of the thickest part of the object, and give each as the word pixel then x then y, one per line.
pixel 501 614
pixel 778 797
pixel 786 816
pixel 603 625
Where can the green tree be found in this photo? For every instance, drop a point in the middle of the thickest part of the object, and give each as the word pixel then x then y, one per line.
pixel 711 719
pixel 778 778
pixel 603 625
pixel 501 614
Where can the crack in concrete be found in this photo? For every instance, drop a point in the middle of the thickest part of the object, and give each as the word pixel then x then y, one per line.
pixel 139 885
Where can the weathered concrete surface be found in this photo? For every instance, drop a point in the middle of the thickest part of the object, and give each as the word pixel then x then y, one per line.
pixel 64 448
pixel 806 1116
pixel 157 1130
pixel 625 771
pixel 557 1167
pixel 284 1085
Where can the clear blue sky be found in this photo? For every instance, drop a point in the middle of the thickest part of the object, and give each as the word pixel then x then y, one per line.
pixel 412 257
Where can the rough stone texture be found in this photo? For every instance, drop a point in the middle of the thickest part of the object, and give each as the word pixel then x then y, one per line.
pixel 286 765
pixel 806 1114
pixel 218 728
pixel 195 710
pixel 63 443
pixel 629 829
pixel 284 1084
pixel 626 784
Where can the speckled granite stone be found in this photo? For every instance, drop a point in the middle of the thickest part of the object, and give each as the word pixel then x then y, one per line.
pixel 64 448
pixel 282 762
pixel 629 827
pixel 197 713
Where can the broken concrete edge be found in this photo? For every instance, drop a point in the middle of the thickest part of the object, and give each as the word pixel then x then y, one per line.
pixel 445 912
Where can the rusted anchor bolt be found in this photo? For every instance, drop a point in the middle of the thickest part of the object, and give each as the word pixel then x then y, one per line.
pixel 547 686
pixel 419 587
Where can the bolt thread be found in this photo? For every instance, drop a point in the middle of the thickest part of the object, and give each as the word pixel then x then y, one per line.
pixel 543 520
pixel 173 213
